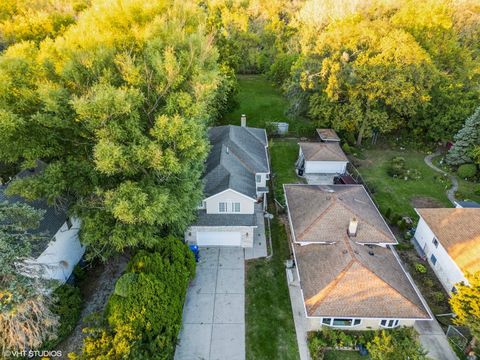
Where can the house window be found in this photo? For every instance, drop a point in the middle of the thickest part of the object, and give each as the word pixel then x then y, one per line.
pixel 258 178
pixel 236 207
pixel 222 207
pixel 389 323
pixel 69 223
pixel 433 259
pixel 337 322
pixel 435 242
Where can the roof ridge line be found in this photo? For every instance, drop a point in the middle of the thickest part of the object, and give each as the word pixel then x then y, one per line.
pixel 319 217
pixel 327 289
pixel 390 286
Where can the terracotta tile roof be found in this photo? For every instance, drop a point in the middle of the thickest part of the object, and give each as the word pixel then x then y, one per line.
pixel 322 151
pixel 328 135
pixel 323 213
pixel 343 279
pixel 458 230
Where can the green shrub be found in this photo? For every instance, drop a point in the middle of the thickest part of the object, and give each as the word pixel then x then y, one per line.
pixel 397 167
pixel 420 268
pixel 144 315
pixel 390 344
pixel 477 190
pixel 68 306
pixel 403 246
pixel 346 148
pixel 467 171
pixel 407 235
pixel 79 273
pixel 428 282
pixel 439 296
pixel 388 213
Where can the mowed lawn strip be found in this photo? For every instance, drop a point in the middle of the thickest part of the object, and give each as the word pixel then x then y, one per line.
pixel 284 154
pixel 270 330
pixel 399 194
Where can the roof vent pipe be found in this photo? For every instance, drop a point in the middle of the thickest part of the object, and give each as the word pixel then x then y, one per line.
pixel 243 120
pixel 228 151
pixel 352 227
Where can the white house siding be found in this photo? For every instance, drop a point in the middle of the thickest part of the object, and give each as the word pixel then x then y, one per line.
pixel 315 324
pixel 263 181
pixel 325 167
pixel 61 255
pixel 247 205
pixel 445 268
pixel 247 233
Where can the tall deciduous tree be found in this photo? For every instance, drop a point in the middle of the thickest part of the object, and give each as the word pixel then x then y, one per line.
pixel 118 107
pixel 465 141
pixel 466 304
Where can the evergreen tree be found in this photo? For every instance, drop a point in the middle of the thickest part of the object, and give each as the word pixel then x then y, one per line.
pixel 465 140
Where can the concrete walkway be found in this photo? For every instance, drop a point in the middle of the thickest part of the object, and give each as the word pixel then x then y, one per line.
pixel 259 248
pixel 434 340
pixel 450 192
pixel 214 311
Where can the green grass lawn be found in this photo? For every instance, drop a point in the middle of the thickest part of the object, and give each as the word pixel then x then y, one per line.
pixel 466 189
pixel 283 154
pixel 400 195
pixel 270 331
pixel 262 102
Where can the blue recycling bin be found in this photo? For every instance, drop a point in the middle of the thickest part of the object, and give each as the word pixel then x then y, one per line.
pixel 196 251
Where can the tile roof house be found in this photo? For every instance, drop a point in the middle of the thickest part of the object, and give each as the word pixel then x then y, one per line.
pixel 450 240
pixel 321 158
pixel 235 183
pixel 59 250
pixel 348 273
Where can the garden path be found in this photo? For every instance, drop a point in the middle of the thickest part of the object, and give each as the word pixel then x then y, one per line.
pixel 450 192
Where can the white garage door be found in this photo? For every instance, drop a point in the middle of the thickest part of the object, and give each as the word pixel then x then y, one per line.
pixel 325 167
pixel 218 238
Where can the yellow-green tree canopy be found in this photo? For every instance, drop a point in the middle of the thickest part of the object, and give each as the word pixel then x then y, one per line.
pixel 118 106
pixel 465 304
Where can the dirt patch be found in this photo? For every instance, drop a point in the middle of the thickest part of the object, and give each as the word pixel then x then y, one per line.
pixel 96 290
pixel 425 202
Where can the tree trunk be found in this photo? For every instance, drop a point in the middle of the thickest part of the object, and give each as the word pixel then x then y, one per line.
pixel 360 133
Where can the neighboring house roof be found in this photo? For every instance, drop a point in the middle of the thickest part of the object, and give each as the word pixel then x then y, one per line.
pixel 458 230
pixel 328 135
pixel 236 155
pixel 322 213
pixel 205 219
pixel 343 277
pixel 322 151
pixel 53 218
pixel 468 204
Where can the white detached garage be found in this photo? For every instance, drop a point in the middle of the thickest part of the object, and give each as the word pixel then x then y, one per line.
pixel 321 158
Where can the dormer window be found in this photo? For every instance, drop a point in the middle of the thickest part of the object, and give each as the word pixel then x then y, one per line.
pixel 258 178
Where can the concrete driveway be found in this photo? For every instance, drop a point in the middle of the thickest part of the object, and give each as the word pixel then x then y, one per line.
pixel 433 339
pixel 214 311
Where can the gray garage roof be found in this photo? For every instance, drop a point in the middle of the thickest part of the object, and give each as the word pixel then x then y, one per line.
pixel 236 155
pixel 53 218
pixel 205 219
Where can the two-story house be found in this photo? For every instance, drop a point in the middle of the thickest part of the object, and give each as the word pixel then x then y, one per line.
pixel 450 240
pixel 235 187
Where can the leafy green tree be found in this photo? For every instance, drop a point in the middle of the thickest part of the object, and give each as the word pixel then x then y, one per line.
pixel 26 320
pixel 465 304
pixel 35 20
pixel 118 107
pixel 397 344
pixel 465 140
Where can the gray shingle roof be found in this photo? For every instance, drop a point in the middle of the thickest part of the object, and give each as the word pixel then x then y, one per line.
pixel 205 219
pixel 237 153
pixel 52 220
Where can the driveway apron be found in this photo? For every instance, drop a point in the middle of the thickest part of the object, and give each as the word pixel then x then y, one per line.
pixel 214 311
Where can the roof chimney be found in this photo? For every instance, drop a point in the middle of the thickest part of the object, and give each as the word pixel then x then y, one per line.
pixel 243 120
pixel 352 227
